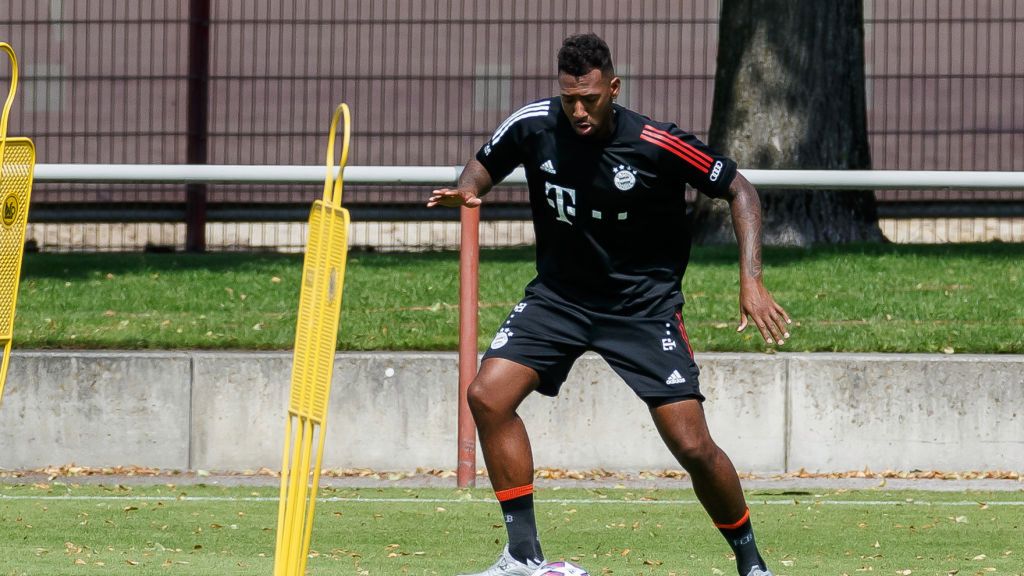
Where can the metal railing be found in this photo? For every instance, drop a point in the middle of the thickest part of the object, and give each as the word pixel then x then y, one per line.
pixel 168 82
pixel 372 224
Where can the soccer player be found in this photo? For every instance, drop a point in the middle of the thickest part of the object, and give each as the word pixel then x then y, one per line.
pixel 607 196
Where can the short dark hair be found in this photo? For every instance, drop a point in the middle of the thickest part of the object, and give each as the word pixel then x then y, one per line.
pixel 581 53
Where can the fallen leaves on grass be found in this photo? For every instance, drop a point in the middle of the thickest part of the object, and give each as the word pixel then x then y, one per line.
pixel 73 470
pixel 910 475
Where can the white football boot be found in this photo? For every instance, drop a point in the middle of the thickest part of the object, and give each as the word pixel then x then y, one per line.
pixel 509 566
pixel 757 571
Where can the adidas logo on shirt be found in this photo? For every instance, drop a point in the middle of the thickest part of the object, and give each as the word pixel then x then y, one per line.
pixel 675 378
pixel 548 167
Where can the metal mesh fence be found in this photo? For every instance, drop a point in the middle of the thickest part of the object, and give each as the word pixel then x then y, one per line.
pixel 111 81
pixel 945 92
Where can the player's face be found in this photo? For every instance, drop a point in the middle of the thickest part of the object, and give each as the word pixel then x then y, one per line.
pixel 587 101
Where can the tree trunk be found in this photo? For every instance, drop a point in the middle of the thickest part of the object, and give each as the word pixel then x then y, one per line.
pixel 789 94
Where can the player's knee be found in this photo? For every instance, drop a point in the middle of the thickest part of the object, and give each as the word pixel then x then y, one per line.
pixel 694 450
pixel 484 405
pixel 476 398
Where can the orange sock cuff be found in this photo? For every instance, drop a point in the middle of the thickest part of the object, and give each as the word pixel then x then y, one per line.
pixel 736 524
pixel 512 493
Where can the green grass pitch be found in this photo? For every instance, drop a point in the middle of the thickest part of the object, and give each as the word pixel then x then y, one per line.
pixel 59 528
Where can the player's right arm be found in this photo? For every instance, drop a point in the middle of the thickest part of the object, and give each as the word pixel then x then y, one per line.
pixel 496 159
pixel 474 182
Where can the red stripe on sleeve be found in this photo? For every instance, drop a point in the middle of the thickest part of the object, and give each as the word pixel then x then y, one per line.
pixel 657 141
pixel 696 152
pixel 678 144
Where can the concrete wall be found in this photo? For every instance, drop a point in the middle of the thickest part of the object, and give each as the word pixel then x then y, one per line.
pixel 772 413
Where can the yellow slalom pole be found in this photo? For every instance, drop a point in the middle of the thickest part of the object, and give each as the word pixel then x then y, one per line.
pixel 17 165
pixel 308 528
pixel 285 482
pixel 316 336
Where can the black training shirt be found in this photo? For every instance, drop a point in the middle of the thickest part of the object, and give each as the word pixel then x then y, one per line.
pixel 609 216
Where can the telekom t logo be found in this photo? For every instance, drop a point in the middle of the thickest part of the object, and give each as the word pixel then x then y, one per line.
pixel 563 200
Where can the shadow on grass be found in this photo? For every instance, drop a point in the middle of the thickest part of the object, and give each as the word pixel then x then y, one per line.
pixel 70 266
pixel 385 259
pixel 775 256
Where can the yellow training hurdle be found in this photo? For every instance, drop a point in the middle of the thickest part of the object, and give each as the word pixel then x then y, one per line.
pixel 17 164
pixel 316 336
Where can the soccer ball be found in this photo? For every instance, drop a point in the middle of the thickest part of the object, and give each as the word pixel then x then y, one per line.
pixel 561 569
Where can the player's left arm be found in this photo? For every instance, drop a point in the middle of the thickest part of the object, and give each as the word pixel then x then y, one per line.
pixel 682 155
pixel 756 304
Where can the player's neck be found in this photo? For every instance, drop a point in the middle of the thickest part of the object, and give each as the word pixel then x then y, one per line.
pixel 608 129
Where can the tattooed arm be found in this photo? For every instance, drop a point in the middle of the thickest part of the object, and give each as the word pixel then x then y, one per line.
pixel 756 303
pixel 474 182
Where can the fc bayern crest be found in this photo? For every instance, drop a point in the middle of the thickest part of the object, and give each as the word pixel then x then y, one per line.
pixel 625 177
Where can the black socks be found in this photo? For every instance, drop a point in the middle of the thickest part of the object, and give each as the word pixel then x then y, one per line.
pixel 517 510
pixel 740 536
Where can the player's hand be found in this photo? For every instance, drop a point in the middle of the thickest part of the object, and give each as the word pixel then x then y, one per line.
pixel 453 198
pixel 758 307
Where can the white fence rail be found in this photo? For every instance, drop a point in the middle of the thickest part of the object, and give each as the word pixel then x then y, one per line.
pixel 447 175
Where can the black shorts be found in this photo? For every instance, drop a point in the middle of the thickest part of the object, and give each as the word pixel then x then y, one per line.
pixel 651 353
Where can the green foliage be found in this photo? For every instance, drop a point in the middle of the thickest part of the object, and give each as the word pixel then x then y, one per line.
pixel 883 298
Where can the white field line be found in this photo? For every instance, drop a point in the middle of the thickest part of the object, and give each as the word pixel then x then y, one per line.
pixel 564 501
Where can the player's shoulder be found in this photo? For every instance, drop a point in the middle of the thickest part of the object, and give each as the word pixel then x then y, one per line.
pixel 533 109
pixel 655 138
pixel 539 113
pixel 535 116
pixel 640 125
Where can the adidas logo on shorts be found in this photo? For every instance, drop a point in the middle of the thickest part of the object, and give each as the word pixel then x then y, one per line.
pixel 675 378
pixel 548 167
